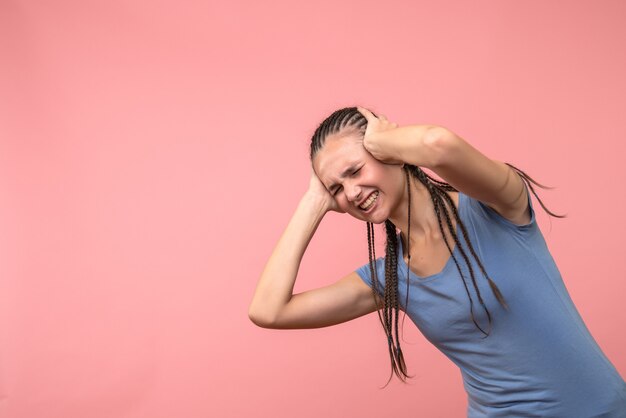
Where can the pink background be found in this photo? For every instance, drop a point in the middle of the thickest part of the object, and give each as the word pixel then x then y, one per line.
pixel 151 153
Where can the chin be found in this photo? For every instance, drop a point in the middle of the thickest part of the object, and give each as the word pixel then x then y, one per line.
pixel 377 220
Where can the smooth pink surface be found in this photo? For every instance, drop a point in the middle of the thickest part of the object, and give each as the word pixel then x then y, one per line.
pixel 151 154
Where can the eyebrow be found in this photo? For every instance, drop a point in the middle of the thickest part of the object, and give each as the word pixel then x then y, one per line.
pixel 344 174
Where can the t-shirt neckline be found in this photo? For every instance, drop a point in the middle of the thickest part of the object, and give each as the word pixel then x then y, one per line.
pixel 419 279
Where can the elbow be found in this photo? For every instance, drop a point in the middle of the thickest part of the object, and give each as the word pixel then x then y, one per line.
pixel 260 320
pixel 441 142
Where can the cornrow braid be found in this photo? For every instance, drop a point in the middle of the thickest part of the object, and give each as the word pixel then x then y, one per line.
pixel 350 120
pixel 344 121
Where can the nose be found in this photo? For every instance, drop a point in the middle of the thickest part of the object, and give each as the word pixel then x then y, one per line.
pixel 353 192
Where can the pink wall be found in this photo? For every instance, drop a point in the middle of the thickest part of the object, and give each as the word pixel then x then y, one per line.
pixel 151 154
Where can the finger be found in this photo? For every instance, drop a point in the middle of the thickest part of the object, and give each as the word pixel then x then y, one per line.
pixel 368 115
pixel 382 117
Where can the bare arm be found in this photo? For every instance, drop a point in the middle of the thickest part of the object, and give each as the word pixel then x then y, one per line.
pixel 275 306
pixel 464 167
pixel 454 159
pixel 490 181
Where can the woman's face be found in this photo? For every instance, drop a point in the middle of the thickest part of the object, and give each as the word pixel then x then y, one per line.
pixel 355 179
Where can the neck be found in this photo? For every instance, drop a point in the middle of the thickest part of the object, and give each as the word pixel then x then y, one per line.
pixel 424 224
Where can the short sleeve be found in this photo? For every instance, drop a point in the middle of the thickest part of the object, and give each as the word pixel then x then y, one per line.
pixel 365 273
pixel 491 215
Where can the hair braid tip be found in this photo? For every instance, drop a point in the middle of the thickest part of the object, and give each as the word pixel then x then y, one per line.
pixel 528 180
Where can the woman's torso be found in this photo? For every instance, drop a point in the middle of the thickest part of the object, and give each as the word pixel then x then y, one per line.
pixel 539 359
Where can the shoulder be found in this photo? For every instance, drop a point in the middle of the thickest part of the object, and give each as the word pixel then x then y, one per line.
pixel 521 220
pixel 365 271
pixel 520 214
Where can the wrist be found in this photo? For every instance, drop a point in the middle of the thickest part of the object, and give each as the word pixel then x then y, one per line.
pixel 314 202
pixel 420 145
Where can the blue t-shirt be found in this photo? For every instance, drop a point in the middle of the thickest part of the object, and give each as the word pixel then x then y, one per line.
pixel 540 359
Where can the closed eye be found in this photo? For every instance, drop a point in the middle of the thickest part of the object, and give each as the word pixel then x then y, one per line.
pixel 338 188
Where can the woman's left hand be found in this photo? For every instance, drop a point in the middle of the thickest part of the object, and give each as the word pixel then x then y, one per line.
pixel 377 140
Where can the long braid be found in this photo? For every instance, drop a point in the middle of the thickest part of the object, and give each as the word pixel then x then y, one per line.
pixel 438 206
pixel 469 266
pixel 408 245
pixel 492 285
pixel 391 230
pixel 436 194
pixel 350 120
pixel 391 289
pixel 441 201
pixel 373 272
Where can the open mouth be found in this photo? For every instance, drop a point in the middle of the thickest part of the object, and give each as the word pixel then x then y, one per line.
pixel 370 201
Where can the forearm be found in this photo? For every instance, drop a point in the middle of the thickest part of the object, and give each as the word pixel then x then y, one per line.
pixel 413 144
pixel 275 287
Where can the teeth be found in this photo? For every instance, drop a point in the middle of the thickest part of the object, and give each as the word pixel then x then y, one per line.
pixel 370 201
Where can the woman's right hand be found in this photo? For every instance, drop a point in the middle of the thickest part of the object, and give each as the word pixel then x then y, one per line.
pixel 318 191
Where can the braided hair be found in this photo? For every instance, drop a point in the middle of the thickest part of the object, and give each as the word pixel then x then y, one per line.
pixel 350 120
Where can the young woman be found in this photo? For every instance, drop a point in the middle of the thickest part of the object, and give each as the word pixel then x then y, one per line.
pixel 469 266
